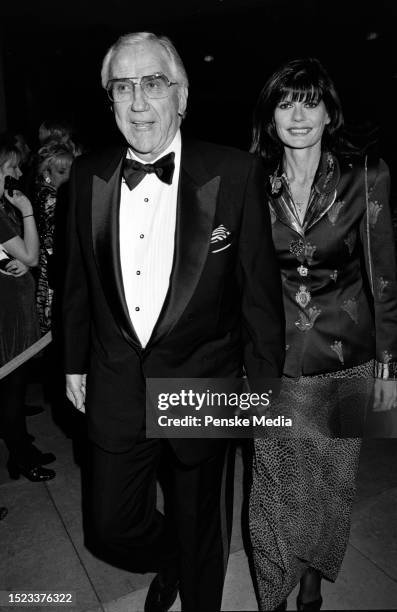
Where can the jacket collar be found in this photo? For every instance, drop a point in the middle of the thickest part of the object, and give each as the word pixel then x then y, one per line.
pixel 322 196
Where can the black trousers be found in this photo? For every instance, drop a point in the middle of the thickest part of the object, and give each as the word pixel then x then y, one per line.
pixel 12 415
pixel 124 527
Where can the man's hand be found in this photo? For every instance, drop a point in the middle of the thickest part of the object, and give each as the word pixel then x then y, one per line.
pixel 385 395
pixel 75 390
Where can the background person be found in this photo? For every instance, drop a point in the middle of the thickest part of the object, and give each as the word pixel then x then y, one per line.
pixel 61 131
pixel 18 318
pixel 54 161
pixel 334 241
pixel 24 150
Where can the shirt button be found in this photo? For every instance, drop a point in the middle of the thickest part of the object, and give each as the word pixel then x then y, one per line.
pixel 146 200
pixel 138 272
pixel 141 236
pixel 137 308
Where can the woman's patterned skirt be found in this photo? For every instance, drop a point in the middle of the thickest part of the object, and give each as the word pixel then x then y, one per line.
pixel 303 487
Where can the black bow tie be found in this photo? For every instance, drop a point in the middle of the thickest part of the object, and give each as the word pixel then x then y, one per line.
pixel 134 171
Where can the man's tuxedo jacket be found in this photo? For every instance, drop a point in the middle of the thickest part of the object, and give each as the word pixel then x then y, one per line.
pixel 223 309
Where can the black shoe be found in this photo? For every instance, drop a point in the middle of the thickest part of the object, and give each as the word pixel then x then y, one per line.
pixel 161 594
pixel 33 410
pixel 35 473
pixel 310 606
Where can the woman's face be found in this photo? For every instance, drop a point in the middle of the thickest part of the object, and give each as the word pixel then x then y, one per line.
pixel 300 125
pixel 9 168
pixel 58 172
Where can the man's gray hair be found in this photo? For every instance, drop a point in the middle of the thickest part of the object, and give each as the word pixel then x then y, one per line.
pixel 177 67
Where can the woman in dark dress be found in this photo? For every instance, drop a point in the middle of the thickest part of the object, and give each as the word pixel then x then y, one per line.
pixel 333 235
pixel 18 319
pixel 54 161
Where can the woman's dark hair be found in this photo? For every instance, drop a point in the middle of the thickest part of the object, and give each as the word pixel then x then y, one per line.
pixel 303 79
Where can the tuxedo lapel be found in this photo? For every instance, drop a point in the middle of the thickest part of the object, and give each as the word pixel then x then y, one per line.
pixel 105 235
pixel 197 199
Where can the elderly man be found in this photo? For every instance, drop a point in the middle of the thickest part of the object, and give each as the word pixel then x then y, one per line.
pixel 171 273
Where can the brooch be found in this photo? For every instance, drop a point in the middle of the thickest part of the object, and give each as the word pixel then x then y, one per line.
pixel 302 270
pixel 303 296
pixel 297 247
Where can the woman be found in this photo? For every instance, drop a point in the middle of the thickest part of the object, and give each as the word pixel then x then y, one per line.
pixel 18 319
pixel 54 163
pixel 333 236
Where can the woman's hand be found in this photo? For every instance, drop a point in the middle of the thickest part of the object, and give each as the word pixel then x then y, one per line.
pixel 20 201
pixel 385 395
pixel 16 268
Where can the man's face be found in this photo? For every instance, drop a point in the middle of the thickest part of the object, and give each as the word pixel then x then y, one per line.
pixel 149 125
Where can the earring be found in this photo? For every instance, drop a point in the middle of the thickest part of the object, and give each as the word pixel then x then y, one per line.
pixel 47 179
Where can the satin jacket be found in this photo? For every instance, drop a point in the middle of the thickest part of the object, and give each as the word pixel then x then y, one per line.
pixel 338 268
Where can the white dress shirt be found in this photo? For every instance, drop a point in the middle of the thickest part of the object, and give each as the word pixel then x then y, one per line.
pixel 147 234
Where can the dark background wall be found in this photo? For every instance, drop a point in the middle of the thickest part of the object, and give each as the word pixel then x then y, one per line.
pixel 52 54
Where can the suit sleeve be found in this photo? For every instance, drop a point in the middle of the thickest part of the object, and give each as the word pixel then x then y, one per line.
pixel 263 321
pixel 379 248
pixel 76 305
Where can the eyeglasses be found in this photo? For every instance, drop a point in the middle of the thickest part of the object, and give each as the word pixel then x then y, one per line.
pixel 153 86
